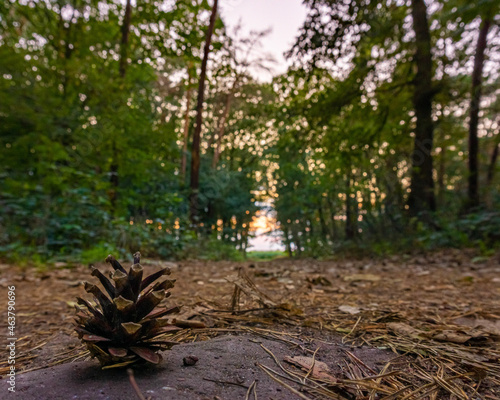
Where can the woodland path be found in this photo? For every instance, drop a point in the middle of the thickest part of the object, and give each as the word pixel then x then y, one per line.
pixel 421 325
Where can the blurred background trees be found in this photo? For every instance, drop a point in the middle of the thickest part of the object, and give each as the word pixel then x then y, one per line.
pixel 383 135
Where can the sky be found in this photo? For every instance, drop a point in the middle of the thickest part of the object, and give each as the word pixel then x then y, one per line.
pixel 285 17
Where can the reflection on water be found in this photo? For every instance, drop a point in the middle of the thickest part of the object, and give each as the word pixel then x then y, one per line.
pixel 264 230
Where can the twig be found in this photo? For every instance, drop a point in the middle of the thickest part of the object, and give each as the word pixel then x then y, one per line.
pixel 226 382
pixel 352 330
pixel 312 365
pixel 134 384
pixel 294 391
pixel 252 386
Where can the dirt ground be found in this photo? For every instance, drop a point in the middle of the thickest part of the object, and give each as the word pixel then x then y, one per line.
pixel 226 368
pixel 404 327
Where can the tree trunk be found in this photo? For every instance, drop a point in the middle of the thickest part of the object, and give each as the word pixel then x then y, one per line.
pixel 324 228
pixel 421 197
pixel 223 121
pixel 288 244
pixel 350 232
pixel 333 225
pixel 491 167
pixel 113 170
pixel 124 41
pixel 222 128
pixel 113 177
pixel 477 73
pixel 296 239
pixel 195 148
pixel 441 174
pixel 186 125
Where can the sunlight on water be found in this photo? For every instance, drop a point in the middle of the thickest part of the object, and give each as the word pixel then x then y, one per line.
pixel 266 235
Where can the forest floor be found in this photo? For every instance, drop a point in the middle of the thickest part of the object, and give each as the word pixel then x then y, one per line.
pixel 402 327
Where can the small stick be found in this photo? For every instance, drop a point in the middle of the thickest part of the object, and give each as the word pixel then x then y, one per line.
pixel 255 390
pixel 294 391
pixel 312 365
pixel 352 330
pixel 226 382
pixel 134 384
pixel 247 396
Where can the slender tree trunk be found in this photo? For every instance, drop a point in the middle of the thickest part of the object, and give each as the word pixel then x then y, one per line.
pixel 125 30
pixel 324 228
pixel 441 174
pixel 491 167
pixel 491 172
pixel 113 169
pixel 195 148
pixel 333 225
pixel 186 125
pixel 473 189
pixel 113 177
pixel 296 239
pixel 223 122
pixel 311 228
pixel 288 244
pixel 349 221
pixel 422 197
pixel 222 128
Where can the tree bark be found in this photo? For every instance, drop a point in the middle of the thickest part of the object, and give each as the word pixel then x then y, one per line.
pixel 186 125
pixel 422 198
pixel 350 224
pixel 195 148
pixel 125 30
pixel 324 228
pixel 113 169
pixel 441 174
pixel 491 167
pixel 477 73
pixel 222 128
pixel 493 161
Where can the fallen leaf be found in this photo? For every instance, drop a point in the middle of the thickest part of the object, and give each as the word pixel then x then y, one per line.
pixel 350 309
pixel 362 277
pixel 319 280
pixel 438 288
pixel 460 337
pixel 405 330
pixel 319 369
pixel 485 325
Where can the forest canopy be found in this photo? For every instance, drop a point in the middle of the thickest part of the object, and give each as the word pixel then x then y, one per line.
pixel 145 125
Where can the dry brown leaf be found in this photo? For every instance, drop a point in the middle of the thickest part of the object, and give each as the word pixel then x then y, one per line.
pixel 460 337
pixel 349 309
pixel 488 326
pixel 362 277
pixel 318 280
pixel 438 288
pixel 319 369
pixel 405 330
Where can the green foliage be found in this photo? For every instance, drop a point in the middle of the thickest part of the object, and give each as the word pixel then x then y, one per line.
pixel 479 230
pixel 265 255
pixel 213 249
pixel 345 127
pixel 98 253
pixel 92 154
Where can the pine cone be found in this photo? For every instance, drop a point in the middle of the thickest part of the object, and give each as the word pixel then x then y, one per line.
pixel 122 328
